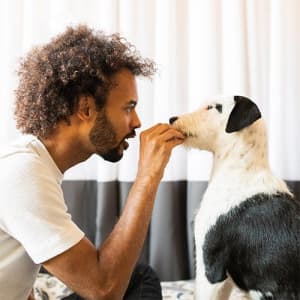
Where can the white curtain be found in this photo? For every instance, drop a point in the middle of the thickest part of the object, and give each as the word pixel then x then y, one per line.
pixel 202 48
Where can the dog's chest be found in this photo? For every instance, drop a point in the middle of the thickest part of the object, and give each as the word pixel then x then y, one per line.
pixel 213 204
pixel 227 189
pixel 218 200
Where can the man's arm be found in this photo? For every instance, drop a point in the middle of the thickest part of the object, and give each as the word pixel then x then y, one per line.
pixel 104 273
pixel 31 296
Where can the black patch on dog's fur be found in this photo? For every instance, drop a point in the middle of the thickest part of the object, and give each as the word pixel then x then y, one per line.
pixel 244 113
pixel 258 244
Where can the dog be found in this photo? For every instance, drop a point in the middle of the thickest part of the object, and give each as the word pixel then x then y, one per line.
pixel 247 229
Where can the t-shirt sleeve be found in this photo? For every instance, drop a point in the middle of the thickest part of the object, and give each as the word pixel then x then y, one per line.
pixel 35 214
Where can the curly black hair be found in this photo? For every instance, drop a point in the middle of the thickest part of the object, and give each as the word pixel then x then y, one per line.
pixel 79 61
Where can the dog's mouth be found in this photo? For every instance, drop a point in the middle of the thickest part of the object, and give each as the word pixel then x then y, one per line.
pixel 177 124
pixel 187 134
pixel 191 135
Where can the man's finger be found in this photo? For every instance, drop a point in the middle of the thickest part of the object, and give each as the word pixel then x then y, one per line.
pixel 172 134
pixel 158 128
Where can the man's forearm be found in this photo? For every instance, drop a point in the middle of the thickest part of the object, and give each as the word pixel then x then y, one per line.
pixel 121 250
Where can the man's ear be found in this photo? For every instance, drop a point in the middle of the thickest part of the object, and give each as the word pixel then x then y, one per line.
pixel 244 113
pixel 85 108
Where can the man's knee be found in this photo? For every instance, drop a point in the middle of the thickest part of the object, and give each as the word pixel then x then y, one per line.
pixel 144 284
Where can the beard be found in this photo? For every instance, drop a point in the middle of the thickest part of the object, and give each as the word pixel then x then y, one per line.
pixel 104 138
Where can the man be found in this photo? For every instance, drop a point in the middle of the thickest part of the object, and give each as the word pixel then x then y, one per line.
pixel 76 97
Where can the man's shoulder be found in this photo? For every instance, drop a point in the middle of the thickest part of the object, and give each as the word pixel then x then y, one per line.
pixel 28 162
pixel 19 152
pixel 22 144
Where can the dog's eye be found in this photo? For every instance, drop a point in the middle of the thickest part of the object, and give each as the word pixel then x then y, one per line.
pixel 219 107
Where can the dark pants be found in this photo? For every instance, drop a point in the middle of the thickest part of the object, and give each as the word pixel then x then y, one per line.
pixel 144 284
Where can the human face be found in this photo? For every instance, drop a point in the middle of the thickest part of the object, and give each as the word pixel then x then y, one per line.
pixel 118 120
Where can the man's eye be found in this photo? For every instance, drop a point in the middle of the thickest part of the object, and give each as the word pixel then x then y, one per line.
pixel 129 108
pixel 209 107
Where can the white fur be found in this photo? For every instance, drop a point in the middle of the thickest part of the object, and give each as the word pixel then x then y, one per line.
pixel 240 170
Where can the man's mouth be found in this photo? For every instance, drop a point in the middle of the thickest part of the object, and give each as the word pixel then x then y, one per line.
pixel 125 143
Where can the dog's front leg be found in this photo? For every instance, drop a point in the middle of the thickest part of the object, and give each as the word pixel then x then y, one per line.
pixel 207 291
pixel 204 289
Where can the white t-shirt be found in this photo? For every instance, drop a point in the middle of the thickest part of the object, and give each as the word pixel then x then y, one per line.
pixel 34 223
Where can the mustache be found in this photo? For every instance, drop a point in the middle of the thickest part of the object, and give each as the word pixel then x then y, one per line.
pixel 132 134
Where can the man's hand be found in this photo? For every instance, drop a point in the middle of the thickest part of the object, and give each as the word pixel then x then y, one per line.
pixel 31 296
pixel 156 144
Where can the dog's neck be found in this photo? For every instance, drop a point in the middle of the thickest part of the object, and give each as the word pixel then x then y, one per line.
pixel 244 151
pixel 242 163
pixel 237 178
pixel 240 155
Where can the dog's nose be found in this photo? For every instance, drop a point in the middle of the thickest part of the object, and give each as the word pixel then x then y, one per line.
pixel 172 120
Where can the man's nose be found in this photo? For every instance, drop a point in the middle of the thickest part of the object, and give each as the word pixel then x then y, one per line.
pixel 135 123
pixel 172 120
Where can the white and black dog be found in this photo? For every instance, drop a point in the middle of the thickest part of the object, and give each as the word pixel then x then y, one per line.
pixel 247 229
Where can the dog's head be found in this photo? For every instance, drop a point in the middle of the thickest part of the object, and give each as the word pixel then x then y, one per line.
pixel 216 119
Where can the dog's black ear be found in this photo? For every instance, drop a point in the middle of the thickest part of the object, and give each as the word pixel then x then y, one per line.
pixel 244 113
